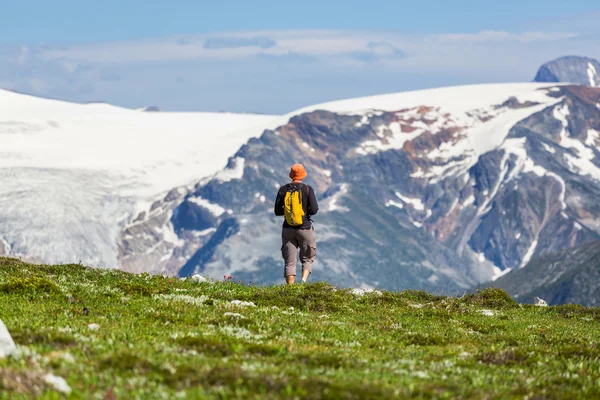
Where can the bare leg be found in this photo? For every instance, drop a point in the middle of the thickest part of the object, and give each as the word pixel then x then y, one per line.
pixel 290 279
pixel 305 274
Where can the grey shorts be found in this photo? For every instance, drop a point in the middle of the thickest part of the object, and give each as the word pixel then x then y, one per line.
pixel 294 240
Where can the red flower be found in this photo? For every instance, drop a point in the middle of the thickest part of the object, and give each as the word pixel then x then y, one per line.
pixel 224 276
pixel 240 281
pixel 230 277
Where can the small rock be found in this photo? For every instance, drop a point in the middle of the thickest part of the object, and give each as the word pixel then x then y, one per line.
pixel 540 302
pixel 7 345
pixel 93 327
pixel 57 383
pixel 489 313
pixel 199 278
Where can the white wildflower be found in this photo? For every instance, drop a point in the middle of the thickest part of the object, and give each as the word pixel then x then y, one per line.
pixel 232 314
pixel 242 303
pixel 197 301
pixel 93 327
pixel 362 292
pixel 239 333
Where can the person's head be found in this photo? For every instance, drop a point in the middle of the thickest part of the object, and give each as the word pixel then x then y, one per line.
pixel 297 172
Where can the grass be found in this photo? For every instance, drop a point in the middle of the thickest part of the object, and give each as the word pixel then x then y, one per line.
pixel 166 338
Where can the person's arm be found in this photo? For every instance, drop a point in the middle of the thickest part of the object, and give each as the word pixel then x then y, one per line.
pixel 279 203
pixel 313 206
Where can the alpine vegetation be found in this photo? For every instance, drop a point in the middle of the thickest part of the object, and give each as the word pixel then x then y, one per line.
pixel 79 332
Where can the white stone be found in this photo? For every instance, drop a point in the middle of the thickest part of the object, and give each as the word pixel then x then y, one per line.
pixel 7 345
pixel 57 383
pixel 540 302
pixel 489 313
pixel 93 327
pixel 199 278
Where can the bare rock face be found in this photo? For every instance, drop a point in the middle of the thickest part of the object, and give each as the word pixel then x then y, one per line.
pixel 571 69
pixel 567 276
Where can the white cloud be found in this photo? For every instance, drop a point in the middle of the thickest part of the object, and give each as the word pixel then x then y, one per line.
pixel 291 68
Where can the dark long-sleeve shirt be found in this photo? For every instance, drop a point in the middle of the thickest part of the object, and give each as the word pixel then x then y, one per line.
pixel 309 204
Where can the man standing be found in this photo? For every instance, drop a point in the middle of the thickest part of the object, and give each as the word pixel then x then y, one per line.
pixel 297 202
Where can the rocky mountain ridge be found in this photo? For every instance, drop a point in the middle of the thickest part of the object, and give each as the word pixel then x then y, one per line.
pixel 571 69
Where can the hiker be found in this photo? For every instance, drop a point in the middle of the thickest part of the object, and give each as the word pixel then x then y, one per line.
pixel 297 202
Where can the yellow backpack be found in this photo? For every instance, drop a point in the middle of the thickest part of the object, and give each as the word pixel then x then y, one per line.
pixel 292 206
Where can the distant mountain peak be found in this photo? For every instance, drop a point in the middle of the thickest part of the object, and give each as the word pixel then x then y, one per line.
pixel 571 69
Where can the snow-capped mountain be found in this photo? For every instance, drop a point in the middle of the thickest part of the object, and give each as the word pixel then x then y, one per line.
pixel 571 69
pixel 73 174
pixel 435 189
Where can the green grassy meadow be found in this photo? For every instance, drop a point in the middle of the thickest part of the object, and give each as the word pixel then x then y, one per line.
pixel 113 335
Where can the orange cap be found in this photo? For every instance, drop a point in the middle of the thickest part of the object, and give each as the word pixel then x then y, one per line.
pixel 297 173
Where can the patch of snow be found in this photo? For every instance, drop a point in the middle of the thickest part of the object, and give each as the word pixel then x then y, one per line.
pixel 561 113
pixel 468 201
pixel 518 235
pixel 57 383
pixel 499 273
pixel 240 303
pixel 327 173
pixel 235 172
pixel 7 345
pixel 592 138
pixel 392 203
pixel 592 74
pixel 433 279
pixel 395 140
pixel 549 149
pixel 214 209
pixel 417 204
pixel 333 206
pixel 529 254
pixel 204 232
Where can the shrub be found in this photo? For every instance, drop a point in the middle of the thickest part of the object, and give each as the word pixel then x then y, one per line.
pixel 491 298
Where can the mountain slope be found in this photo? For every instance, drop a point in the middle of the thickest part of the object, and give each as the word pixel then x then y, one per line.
pixel 438 195
pixel 571 69
pixel 569 276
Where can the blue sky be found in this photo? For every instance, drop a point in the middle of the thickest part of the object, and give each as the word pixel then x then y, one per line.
pixel 275 56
